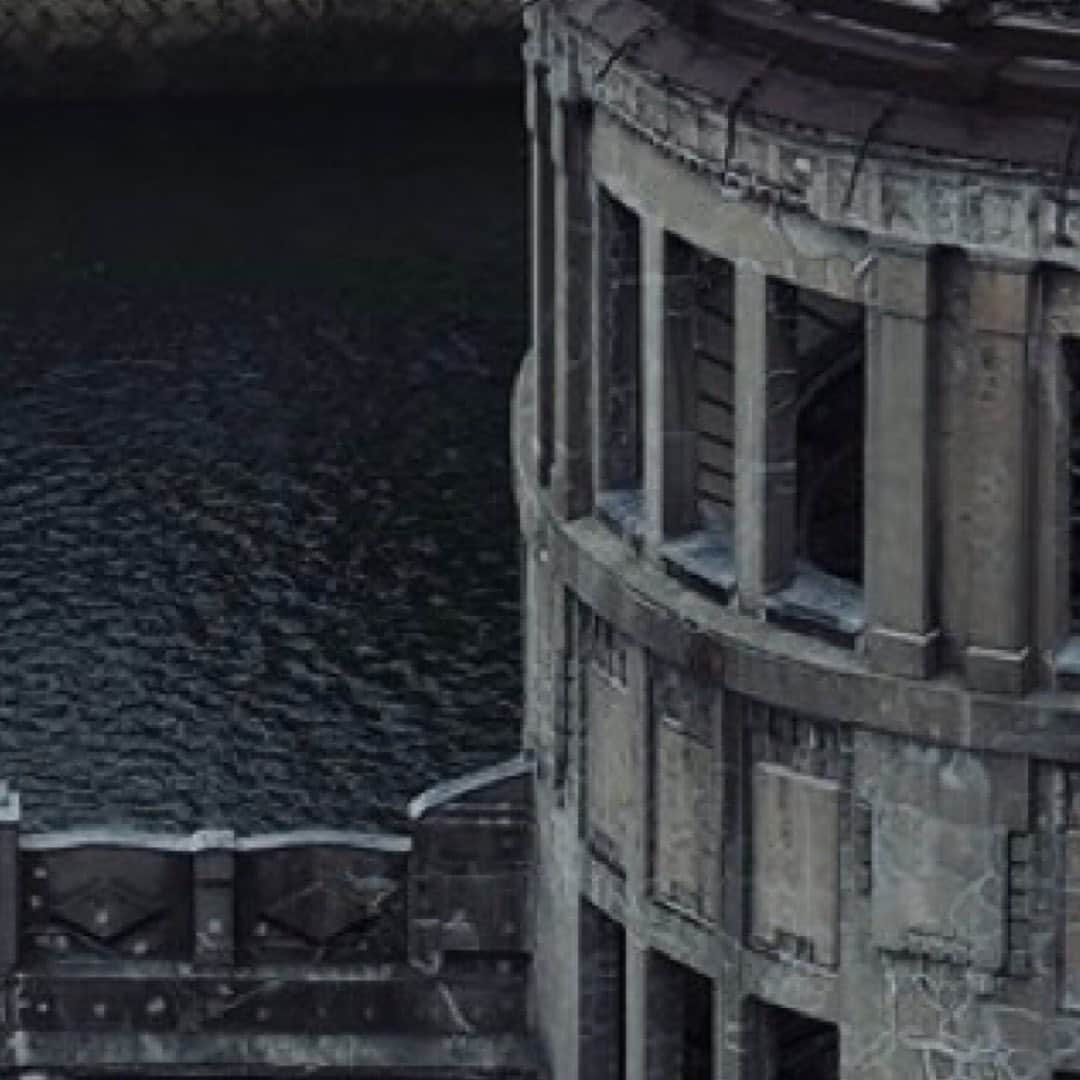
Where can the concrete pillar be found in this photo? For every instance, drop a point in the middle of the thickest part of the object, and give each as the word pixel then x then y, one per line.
pixel 670 437
pixel 766 388
pixel 542 262
pixel 637 1008
pixel 10 820
pixel 903 632
pixel 1056 293
pixel 214 904
pixel 571 478
pixel 997 654
pixel 730 1038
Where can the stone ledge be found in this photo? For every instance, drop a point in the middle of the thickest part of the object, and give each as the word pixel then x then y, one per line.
pixel 901 652
pixel 996 671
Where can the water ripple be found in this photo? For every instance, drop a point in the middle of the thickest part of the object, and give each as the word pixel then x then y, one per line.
pixel 256 560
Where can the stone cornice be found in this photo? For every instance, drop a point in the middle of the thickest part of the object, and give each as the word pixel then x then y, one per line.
pixel 893 193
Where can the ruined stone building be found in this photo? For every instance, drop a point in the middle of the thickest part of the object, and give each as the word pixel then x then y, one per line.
pixel 797 454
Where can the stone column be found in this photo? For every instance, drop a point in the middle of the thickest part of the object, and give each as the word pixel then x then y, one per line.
pixel 637 1009
pixel 542 262
pixel 571 479
pixel 1053 325
pixel 668 360
pixel 997 654
pixel 10 819
pixel 213 907
pixel 903 631
pixel 766 388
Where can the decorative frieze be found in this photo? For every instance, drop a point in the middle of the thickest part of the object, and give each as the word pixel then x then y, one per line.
pixel 926 199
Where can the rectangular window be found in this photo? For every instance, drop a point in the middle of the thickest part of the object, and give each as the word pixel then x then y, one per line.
pixel 814 399
pixel 602 1047
pixel 698 446
pixel 829 417
pixel 714 390
pixel 620 464
pixel 789 1045
pixel 679 1043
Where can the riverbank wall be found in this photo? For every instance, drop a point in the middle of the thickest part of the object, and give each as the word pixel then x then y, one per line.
pixel 65 49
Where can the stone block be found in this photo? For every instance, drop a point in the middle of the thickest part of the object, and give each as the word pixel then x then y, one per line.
pixel 612 789
pixel 999 298
pixel 903 284
pixel 685 865
pixel 796 863
pixel 996 671
pixel 939 858
pixel 1070 990
pixel 899 652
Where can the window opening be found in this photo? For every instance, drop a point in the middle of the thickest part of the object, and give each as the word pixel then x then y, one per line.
pixel 680 1021
pixel 714 370
pixel 602 996
pixel 830 345
pixel 793 1046
pixel 621 463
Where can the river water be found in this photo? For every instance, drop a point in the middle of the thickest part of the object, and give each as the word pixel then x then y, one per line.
pixel 257 544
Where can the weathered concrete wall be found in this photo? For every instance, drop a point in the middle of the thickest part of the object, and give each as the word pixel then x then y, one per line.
pixel 74 48
pixel 846 816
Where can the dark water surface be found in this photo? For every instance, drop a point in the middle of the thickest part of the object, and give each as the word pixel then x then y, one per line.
pixel 257 543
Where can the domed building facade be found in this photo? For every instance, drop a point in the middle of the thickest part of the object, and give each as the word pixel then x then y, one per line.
pixel 797 449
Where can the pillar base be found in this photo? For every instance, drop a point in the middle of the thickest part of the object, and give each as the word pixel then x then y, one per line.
pixel 996 671
pixel 903 652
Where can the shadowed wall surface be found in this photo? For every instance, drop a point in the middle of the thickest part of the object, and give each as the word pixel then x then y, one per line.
pixel 74 48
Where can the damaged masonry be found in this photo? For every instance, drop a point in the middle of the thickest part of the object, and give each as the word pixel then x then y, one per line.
pixel 796 462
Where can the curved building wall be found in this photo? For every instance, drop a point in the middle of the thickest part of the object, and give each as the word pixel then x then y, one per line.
pixel 805 807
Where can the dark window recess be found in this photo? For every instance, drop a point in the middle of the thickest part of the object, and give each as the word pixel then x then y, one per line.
pixel 792 1046
pixel 680 1021
pixel 1072 366
pixel 620 347
pixel 830 408
pixel 602 1047
pixel 714 389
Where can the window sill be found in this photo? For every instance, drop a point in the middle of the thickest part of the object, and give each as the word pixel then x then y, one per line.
pixel 819 604
pixel 624 512
pixel 703 560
